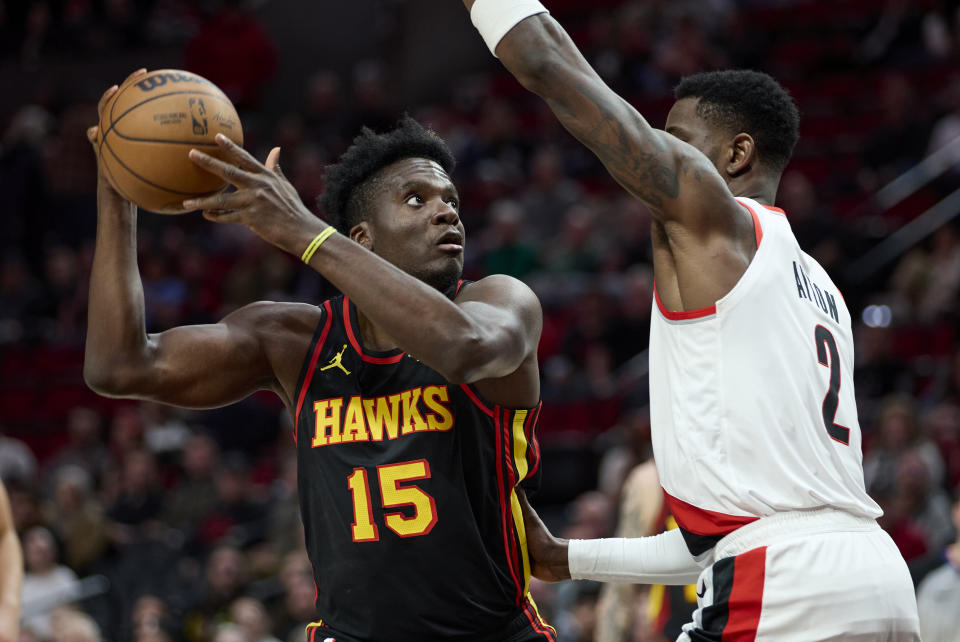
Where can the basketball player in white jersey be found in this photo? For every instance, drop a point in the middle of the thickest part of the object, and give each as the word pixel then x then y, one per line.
pixel 755 430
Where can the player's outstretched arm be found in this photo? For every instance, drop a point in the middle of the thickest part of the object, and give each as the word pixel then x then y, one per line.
pixel 11 572
pixel 660 559
pixel 194 366
pixel 487 333
pixel 640 503
pixel 672 178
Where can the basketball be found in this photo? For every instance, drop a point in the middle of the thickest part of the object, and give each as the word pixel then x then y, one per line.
pixel 150 124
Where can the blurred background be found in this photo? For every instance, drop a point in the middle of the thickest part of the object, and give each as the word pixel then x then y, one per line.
pixel 148 523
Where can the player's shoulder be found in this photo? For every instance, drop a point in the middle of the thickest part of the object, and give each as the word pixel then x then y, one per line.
pixel 498 285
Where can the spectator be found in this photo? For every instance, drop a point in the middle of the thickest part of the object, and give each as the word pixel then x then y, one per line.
pixel 225 577
pixel 234 51
pixel 899 431
pixel 85 447
pixel 46 584
pixel 71 625
pixel 16 460
pixel 194 498
pixel 937 594
pixel 138 500
pixel 78 519
pixel 251 617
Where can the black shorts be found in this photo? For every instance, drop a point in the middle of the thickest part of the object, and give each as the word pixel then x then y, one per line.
pixel 526 626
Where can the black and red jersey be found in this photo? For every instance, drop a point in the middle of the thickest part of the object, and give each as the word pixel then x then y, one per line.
pixel 407 491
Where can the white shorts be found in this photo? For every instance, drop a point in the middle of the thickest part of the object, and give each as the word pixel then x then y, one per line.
pixel 805 576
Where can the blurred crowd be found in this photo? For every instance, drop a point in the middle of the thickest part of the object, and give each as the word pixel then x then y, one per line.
pixel 147 523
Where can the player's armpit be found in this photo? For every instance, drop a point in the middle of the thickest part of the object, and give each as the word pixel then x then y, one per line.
pixel 670 176
pixel 207 366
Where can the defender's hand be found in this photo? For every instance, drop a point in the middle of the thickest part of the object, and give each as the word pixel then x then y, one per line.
pixel 93 133
pixel 264 200
pixel 548 554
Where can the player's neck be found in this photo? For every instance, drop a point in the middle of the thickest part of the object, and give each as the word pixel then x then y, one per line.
pixel 373 336
pixel 761 189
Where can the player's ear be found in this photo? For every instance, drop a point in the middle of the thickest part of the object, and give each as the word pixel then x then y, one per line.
pixel 742 154
pixel 362 234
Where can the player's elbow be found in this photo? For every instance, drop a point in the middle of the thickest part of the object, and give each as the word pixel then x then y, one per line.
pixel 108 380
pixel 543 60
pixel 478 358
pixel 538 74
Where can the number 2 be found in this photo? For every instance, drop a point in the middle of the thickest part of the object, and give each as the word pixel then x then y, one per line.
pixel 393 495
pixel 826 342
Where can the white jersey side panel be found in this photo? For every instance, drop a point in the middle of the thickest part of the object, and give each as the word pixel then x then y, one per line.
pixel 752 400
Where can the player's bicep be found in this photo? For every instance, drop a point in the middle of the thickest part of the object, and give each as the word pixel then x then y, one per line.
pixel 198 366
pixel 652 165
pixel 207 366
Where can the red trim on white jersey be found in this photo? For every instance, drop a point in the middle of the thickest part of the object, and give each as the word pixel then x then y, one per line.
pixel 757 228
pixel 705 312
pixel 700 521
pixel 681 316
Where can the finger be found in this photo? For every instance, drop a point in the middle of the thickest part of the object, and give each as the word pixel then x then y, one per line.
pixel 139 72
pixel 230 173
pixel 93 135
pixel 273 160
pixel 105 97
pixel 239 156
pixel 219 204
pixel 221 217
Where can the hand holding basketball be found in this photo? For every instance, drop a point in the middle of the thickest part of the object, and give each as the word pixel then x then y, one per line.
pixel 147 126
pixel 264 200
pixel 93 132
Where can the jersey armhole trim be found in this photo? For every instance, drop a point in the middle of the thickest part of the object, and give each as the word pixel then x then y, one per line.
pixel 757 228
pixel 475 398
pixel 355 342
pixel 307 376
pixel 683 315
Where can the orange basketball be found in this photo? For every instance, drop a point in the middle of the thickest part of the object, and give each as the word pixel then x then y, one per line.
pixel 148 126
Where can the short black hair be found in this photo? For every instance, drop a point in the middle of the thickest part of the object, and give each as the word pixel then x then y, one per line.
pixel 743 100
pixel 344 200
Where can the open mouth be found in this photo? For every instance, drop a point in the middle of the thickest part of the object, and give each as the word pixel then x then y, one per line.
pixel 451 242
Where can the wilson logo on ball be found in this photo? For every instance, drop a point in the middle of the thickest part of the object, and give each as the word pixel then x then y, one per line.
pixel 159 80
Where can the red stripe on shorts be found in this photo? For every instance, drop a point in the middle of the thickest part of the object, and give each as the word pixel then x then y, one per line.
pixel 746 596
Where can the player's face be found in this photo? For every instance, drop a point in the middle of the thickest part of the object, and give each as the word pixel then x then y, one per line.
pixel 684 123
pixel 416 224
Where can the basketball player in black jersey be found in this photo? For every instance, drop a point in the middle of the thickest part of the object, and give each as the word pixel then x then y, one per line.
pixel 414 396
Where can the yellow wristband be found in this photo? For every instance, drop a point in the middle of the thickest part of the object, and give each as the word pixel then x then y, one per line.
pixel 317 242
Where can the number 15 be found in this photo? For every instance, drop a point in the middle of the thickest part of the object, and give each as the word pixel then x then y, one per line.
pixel 393 495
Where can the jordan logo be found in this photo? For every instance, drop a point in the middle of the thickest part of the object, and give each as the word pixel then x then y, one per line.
pixel 336 361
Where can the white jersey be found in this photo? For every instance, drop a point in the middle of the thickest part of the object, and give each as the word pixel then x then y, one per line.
pixel 751 400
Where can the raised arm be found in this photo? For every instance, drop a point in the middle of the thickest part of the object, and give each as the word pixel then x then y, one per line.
pixel 11 572
pixel 675 180
pixel 490 329
pixel 194 366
